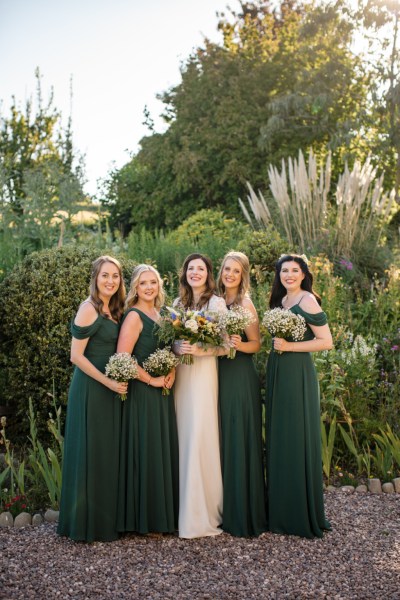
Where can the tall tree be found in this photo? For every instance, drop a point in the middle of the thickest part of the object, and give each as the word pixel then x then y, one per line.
pixel 40 172
pixel 283 79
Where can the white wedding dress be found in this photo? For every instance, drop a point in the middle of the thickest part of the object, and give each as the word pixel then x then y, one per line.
pixel 200 477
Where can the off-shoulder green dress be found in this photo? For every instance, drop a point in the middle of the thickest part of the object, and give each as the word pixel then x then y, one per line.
pixel 295 502
pixel 149 479
pixel 88 508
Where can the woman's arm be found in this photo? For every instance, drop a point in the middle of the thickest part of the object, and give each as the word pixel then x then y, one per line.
pixel 323 337
pixel 252 332
pixel 128 336
pixel 85 317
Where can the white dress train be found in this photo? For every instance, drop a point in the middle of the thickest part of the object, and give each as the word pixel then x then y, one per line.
pixel 200 477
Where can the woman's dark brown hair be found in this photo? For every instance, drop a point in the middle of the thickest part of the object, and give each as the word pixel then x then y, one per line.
pixel 186 292
pixel 278 291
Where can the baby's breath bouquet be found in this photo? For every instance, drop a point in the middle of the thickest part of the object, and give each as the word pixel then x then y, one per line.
pixel 234 322
pixel 161 362
pixel 196 326
pixel 121 367
pixel 283 323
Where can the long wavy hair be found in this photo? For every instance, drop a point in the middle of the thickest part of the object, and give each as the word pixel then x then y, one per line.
pixel 132 297
pixel 116 304
pixel 278 291
pixel 185 291
pixel 244 286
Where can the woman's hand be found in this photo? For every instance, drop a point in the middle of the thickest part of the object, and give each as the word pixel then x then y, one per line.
pixel 281 345
pixel 119 387
pixel 158 382
pixel 169 379
pixel 234 341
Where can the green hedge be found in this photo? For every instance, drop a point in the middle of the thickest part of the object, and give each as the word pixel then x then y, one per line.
pixel 40 297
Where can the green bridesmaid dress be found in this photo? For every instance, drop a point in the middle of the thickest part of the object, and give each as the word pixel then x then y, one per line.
pixel 88 508
pixel 242 455
pixel 148 482
pixel 295 503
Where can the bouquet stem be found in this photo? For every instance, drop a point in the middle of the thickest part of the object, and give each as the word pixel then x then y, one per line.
pixel 123 397
pixel 165 391
pixel 186 359
pixel 232 353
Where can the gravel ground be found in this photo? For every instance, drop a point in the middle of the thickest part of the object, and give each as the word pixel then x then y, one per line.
pixel 360 558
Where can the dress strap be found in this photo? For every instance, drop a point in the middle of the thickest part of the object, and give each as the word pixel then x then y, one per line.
pixel 303 296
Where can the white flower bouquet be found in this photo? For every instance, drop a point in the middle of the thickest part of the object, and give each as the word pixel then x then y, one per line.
pixel 283 323
pixel 196 326
pixel 161 362
pixel 122 367
pixel 234 322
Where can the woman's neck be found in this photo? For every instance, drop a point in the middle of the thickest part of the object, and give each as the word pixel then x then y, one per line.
pixel 197 295
pixel 146 307
pixel 231 296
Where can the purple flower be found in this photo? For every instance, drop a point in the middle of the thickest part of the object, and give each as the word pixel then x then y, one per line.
pixel 347 264
pixel 394 348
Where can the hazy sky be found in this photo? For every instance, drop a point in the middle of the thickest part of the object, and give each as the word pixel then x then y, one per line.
pixel 120 53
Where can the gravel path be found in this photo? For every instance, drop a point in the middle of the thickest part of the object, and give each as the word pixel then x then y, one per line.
pixel 360 558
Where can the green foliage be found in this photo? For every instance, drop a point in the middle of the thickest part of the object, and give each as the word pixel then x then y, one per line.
pixel 263 249
pixel 41 296
pixel 210 232
pixel 328 442
pixel 282 80
pixel 40 175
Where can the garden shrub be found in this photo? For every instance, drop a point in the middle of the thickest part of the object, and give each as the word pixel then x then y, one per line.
pixel 40 297
pixel 207 231
pixel 263 248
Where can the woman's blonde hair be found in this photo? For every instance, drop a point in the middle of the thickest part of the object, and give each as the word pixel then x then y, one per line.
pixel 132 297
pixel 116 304
pixel 244 286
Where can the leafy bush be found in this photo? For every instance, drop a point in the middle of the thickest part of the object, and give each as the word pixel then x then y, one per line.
pixel 207 231
pixel 263 248
pixel 41 296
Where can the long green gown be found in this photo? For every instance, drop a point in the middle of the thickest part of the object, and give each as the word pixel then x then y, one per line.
pixel 295 503
pixel 240 404
pixel 88 508
pixel 148 482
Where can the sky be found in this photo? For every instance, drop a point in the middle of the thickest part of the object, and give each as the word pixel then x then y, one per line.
pixel 120 55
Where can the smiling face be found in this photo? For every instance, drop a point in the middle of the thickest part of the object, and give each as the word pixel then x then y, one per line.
pixel 108 280
pixel 291 276
pixel 231 275
pixel 147 287
pixel 196 275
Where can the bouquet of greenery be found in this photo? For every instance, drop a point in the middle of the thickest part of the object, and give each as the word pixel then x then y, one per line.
pixel 234 322
pixel 196 326
pixel 122 367
pixel 161 362
pixel 283 323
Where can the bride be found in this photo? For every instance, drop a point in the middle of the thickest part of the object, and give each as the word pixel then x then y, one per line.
pixel 196 403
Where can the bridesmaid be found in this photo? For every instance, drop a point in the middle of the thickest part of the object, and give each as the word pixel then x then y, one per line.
pixel 241 411
pixel 148 482
pixel 294 465
pixel 88 508
pixel 196 399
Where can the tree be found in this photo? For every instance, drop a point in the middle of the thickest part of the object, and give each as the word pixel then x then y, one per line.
pixel 40 174
pixel 283 79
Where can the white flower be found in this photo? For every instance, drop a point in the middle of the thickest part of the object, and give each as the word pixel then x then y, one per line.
pixel 192 325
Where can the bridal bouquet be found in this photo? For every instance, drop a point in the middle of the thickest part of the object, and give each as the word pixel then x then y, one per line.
pixel 161 362
pixel 234 322
pixel 121 367
pixel 283 323
pixel 196 326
